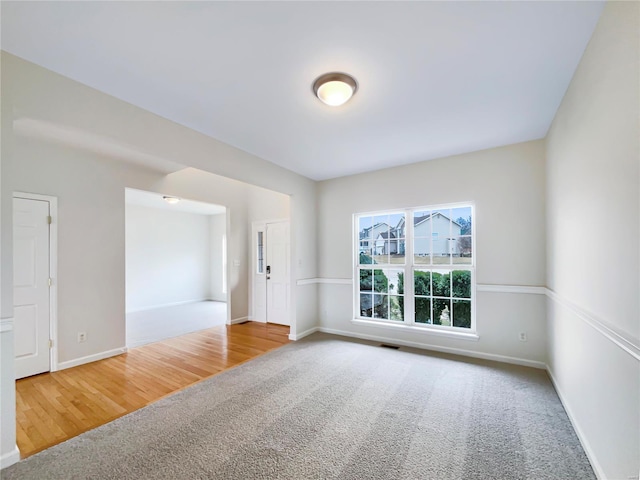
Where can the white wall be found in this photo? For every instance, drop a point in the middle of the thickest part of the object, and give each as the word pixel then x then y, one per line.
pixel 507 186
pixel 592 166
pixel 91 294
pixel 91 226
pixel 218 265
pixel 8 451
pixel 89 184
pixel 90 189
pixel 169 257
pixel 593 219
pixel 245 204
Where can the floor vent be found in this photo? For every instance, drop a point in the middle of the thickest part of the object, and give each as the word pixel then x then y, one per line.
pixel 393 347
pixel 242 323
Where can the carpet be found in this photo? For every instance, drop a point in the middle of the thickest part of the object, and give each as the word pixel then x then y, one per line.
pixel 327 407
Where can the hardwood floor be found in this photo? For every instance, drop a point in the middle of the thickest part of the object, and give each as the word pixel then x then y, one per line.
pixel 53 407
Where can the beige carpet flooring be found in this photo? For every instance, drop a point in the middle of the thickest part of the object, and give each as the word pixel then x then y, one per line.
pixel 329 408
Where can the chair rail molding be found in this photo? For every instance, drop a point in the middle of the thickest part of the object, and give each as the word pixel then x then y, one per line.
pixel 625 342
pixel 530 289
pixel 322 280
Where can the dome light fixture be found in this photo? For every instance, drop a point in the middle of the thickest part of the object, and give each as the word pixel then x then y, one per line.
pixel 170 200
pixel 335 88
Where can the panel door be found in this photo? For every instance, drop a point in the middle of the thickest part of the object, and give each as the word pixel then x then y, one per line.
pixel 31 286
pixel 278 273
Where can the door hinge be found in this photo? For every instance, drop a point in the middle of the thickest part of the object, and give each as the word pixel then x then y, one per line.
pixel 49 219
pixel 50 343
pixel 50 281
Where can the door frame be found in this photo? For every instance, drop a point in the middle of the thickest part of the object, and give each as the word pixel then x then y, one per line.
pixel 227 265
pixel 261 225
pixel 53 271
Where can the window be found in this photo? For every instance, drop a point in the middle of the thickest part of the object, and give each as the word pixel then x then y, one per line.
pixel 434 250
pixel 260 253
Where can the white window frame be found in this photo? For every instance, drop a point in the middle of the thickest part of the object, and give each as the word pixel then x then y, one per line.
pixel 409 267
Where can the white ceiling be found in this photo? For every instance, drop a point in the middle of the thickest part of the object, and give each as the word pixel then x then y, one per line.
pixel 435 78
pixel 155 200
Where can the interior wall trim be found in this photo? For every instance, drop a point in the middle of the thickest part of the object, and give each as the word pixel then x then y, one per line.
pixel 319 280
pixel 6 324
pixel 240 320
pixel 306 333
pixel 534 290
pixel 586 446
pixel 9 458
pixel 172 304
pixel 438 348
pixel 626 343
pixel 92 358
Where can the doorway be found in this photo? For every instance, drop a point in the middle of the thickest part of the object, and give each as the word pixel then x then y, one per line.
pixel 175 266
pixel 34 265
pixel 271 274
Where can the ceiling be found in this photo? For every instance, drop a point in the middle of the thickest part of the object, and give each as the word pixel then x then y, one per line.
pixel 435 78
pixel 155 200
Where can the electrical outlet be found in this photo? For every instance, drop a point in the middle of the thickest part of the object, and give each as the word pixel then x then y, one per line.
pixel 82 337
pixel 523 336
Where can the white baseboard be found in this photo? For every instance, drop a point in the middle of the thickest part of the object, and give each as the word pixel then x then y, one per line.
pixel 172 304
pixel 239 320
pixel 583 439
pixel 436 348
pixel 10 458
pixel 303 334
pixel 91 358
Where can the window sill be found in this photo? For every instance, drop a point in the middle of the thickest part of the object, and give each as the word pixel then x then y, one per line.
pixel 472 336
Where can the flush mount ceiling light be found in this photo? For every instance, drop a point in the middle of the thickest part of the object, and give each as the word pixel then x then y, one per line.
pixel 335 88
pixel 171 200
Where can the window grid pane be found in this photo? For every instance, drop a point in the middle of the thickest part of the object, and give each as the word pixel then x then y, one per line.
pixel 462 313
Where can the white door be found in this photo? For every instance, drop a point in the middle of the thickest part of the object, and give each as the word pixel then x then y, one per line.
pixel 277 273
pixel 31 286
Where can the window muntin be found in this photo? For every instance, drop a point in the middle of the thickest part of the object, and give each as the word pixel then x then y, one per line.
pixel 435 250
pixel 443 297
pixel 381 239
pixel 381 296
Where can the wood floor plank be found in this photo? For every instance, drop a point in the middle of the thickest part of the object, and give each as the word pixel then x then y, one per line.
pixel 53 407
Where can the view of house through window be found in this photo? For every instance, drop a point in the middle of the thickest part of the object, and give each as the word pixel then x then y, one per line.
pixel 418 272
